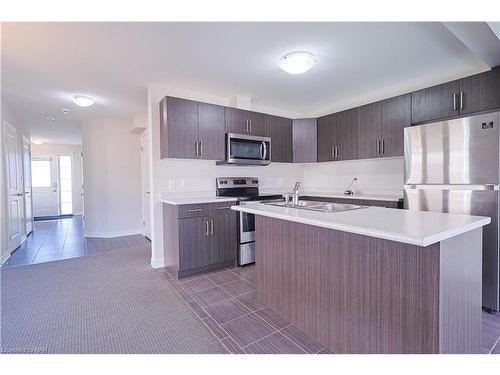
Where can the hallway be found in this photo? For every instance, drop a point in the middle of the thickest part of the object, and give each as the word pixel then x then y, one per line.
pixel 62 239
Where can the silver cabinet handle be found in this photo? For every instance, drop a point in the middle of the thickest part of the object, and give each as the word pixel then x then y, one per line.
pixel 336 152
pixel 383 146
pixel 461 100
pixel 207 230
pixel 201 148
pixel 224 208
pixel 454 101
pixel 378 147
pixel 196 148
pixel 246 126
pixel 333 152
pixel 211 227
pixel 250 125
pixel 194 210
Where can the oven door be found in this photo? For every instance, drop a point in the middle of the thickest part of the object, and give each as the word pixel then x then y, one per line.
pixel 248 149
pixel 247 227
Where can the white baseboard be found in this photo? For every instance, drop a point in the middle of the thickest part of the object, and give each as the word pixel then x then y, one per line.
pixel 157 263
pixel 111 234
pixel 2 261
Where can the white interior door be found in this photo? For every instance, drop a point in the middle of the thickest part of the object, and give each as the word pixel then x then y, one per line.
pixel 14 187
pixel 45 186
pixel 146 190
pixel 28 207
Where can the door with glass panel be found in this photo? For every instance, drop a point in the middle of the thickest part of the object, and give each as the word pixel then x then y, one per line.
pixel 44 176
pixel 65 185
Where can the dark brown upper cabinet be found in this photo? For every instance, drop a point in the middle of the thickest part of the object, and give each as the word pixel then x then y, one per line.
pixel 369 131
pixel 326 137
pixel 436 102
pixel 396 115
pixel 477 93
pixel 240 121
pixel 305 140
pixel 178 128
pixel 211 131
pixel 337 136
pixel 280 131
pixel 480 92
pixel 191 130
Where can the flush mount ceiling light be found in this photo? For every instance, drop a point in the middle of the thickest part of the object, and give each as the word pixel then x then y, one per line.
pixel 36 142
pixel 297 62
pixel 82 101
pixel 50 118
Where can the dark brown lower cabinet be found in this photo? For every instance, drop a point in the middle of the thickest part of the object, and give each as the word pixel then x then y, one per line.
pixel 204 240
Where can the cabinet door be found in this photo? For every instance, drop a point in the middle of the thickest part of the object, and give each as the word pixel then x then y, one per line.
pixel 236 121
pixel 346 134
pixel 225 234
pixel 194 243
pixel 280 131
pixel 178 128
pixel 480 92
pixel 257 123
pixel 434 103
pixel 396 115
pixel 305 140
pixel 212 130
pixel 369 130
pixel 326 136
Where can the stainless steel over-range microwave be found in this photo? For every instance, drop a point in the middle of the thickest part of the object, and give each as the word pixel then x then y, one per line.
pixel 247 149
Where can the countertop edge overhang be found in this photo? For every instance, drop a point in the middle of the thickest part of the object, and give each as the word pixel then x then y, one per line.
pixel 411 227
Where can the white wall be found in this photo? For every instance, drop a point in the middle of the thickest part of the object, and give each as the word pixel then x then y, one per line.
pixel 51 149
pixel 382 176
pixel 112 177
pixel 22 130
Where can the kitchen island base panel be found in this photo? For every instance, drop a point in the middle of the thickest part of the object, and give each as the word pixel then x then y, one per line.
pixel 359 294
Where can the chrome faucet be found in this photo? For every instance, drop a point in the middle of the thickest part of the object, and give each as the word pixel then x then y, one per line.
pixel 294 195
pixel 348 191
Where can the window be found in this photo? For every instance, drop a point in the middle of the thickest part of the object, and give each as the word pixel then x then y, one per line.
pixel 40 173
pixel 65 183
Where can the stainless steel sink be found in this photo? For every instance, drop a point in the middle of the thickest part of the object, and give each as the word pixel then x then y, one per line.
pixel 318 206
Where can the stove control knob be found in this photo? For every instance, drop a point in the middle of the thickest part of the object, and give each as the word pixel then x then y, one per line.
pixel 255 181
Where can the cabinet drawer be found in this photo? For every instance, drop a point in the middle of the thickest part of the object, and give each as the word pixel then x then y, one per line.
pixel 222 208
pixel 193 210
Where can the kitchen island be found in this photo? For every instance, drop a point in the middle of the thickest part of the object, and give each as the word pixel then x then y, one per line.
pixel 373 280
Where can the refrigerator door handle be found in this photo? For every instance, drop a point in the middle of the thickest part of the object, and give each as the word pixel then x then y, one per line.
pixel 453 187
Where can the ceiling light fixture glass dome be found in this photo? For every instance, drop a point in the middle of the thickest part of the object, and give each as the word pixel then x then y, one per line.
pixel 297 62
pixel 82 101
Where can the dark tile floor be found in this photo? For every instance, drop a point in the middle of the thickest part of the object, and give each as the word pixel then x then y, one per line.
pixel 225 301
pixel 63 238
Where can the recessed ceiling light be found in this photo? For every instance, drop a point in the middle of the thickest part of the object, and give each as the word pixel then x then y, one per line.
pixel 36 142
pixel 50 118
pixel 82 101
pixel 297 62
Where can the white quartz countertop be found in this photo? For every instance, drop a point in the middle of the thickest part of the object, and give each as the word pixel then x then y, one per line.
pixel 411 227
pixel 373 197
pixel 193 199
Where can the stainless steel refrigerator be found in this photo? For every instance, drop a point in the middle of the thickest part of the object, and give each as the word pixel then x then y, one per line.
pixel 454 166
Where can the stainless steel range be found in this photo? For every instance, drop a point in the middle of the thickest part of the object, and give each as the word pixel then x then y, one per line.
pixel 246 189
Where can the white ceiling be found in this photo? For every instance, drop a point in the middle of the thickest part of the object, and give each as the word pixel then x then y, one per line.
pixel 43 64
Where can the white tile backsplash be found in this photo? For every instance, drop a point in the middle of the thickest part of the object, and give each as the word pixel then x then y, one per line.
pixel 374 175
